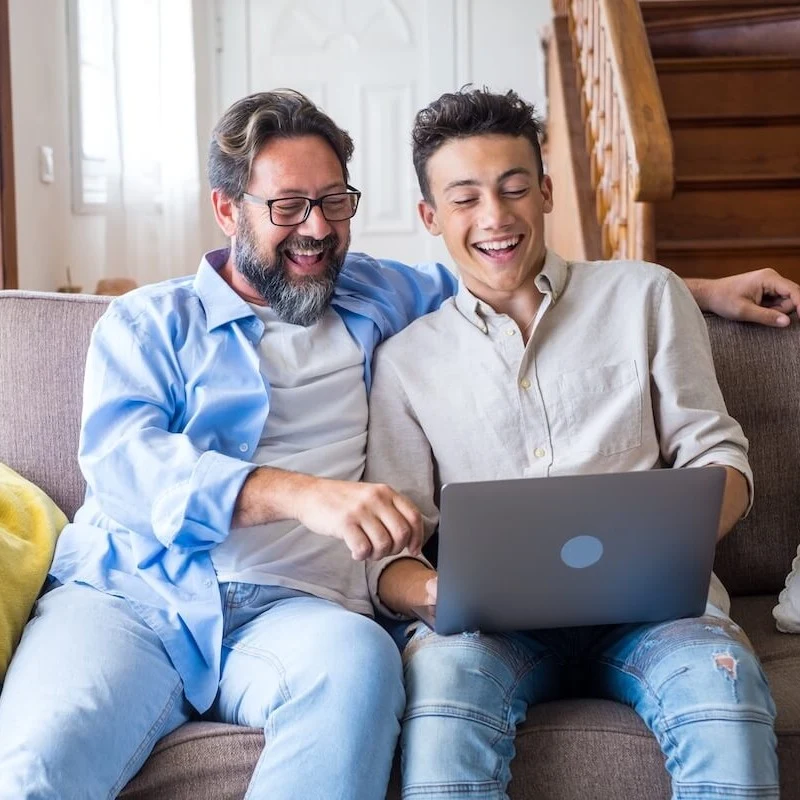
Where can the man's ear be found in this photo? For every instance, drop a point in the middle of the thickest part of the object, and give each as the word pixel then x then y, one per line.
pixel 546 188
pixel 427 213
pixel 226 212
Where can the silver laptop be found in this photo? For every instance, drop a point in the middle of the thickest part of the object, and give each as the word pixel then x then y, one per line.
pixel 576 550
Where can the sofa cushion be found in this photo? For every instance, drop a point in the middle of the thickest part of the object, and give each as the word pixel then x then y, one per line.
pixel 199 761
pixel 29 524
pixel 780 657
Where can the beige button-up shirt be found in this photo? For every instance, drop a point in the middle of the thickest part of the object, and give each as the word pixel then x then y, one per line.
pixel 617 375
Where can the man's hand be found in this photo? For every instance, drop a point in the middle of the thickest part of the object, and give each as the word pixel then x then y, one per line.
pixel 763 296
pixel 431 590
pixel 372 519
pixel 735 500
pixel 407 584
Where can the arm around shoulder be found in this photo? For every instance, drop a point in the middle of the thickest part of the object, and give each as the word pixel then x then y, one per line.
pixel 762 296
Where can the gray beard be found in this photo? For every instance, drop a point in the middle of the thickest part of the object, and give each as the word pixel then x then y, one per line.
pixel 298 302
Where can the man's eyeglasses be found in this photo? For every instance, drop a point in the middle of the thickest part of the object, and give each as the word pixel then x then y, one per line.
pixel 289 211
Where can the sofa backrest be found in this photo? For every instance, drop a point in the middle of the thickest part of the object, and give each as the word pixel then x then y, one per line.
pixel 43 341
pixel 758 370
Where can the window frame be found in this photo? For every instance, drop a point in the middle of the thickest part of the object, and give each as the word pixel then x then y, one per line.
pixel 88 174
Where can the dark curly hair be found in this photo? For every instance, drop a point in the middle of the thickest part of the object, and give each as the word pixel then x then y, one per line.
pixel 471 112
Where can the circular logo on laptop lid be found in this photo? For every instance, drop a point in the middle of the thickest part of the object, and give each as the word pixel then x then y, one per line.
pixel 582 551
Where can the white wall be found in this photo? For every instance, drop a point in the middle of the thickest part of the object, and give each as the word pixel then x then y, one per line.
pixel 496 40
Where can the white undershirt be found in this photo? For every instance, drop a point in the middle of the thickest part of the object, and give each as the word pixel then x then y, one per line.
pixel 317 424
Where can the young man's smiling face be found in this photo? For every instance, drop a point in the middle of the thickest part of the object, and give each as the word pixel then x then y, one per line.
pixel 489 205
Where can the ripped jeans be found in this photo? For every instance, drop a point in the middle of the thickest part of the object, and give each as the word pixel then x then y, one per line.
pixel 696 683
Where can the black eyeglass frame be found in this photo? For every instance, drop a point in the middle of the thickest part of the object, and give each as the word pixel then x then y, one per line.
pixel 310 204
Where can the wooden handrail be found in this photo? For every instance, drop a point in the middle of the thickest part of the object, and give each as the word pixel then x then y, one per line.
pixel 627 133
pixel 643 116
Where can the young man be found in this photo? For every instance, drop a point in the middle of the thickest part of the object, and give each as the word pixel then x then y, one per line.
pixel 542 367
pixel 217 565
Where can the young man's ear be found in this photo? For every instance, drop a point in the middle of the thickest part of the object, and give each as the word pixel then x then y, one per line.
pixel 427 213
pixel 546 188
pixel 226 212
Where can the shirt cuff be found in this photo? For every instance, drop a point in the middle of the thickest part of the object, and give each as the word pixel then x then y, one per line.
pixel 197 513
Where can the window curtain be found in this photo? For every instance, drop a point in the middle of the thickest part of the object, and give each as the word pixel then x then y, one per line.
pixel 153 206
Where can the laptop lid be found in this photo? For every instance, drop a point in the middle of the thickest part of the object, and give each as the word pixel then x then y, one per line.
pixel 577 550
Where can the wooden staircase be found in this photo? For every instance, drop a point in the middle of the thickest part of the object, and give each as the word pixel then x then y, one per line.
pixel 728 76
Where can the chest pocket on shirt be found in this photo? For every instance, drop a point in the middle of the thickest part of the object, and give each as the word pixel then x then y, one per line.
pixel 603 408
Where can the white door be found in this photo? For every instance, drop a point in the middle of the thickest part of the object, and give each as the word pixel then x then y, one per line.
pixel 371 64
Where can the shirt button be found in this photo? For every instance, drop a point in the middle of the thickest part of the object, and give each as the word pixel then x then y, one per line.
pixel 525 383
pixel 540 452
pixel 243 447
pixel 208 583
pixel 510 331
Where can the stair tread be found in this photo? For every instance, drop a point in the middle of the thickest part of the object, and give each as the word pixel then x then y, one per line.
pixel 706 245
pixel 725 4
pixel 753 87
pixel 723 120
pixel 742 32
pixel 721 63
pixel 671 8
pixel 722 182
pixel 722 20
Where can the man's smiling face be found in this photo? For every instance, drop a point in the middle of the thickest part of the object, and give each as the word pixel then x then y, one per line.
pixel 489 205
pixel 292 268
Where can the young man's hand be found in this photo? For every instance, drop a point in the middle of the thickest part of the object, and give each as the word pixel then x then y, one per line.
pixel 431 589
pixel 762 296
pixel 407 584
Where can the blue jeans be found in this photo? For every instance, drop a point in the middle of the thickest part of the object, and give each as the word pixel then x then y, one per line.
pixel 91 690
pixel 696 683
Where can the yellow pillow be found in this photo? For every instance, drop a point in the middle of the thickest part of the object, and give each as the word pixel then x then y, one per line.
pixel 29 524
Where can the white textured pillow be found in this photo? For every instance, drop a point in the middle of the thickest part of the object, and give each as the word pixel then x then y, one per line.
pixel 787 612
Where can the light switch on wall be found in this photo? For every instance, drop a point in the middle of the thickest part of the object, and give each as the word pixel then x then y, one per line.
pixel 46 173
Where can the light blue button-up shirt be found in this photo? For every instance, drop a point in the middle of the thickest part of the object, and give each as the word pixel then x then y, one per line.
pixel 174 405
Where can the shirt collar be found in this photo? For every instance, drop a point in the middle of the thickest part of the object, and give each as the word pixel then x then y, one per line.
pixel 221 303
pixel 551 280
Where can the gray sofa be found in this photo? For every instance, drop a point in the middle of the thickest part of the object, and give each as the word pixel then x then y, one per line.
pixel 569 749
